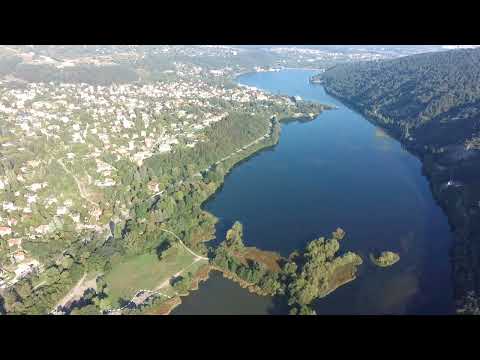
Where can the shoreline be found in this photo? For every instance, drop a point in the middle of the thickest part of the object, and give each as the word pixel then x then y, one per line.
pixel 264 146
pixel 169 305
pixel 202 275
pixel 268 143
pixel 370 118
pixel 235 76
pixel 252 288
pixel 459 237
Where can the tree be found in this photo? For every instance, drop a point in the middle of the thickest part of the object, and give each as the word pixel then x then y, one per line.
pixel 66 262
pixel 107 267
pixel 182 284
pixel 290 268
pixel 305 310
pixel 24 289
pixel 312 274
pixel 234 238
pixel 3 311
pixel 52 274
pixel 338 234
pixel 269 282
pixel 10 298
pixel 103 303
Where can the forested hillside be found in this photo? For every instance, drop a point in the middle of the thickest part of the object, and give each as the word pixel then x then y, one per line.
pixel 431 102
pixel 433 98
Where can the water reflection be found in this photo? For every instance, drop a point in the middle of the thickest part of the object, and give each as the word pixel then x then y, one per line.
pixel 338 170
pixel 407 241
pixel 397 292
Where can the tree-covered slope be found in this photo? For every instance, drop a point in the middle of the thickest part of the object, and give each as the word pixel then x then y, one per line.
pixel 431 102
pixel 433 98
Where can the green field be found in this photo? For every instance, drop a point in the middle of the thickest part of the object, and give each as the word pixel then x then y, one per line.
pixel 146 272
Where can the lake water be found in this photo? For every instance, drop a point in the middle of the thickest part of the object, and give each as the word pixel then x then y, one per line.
pixel 336 171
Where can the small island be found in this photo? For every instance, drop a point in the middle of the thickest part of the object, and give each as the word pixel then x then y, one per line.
pixel 305 110
pixel 302 277
pixel 386 258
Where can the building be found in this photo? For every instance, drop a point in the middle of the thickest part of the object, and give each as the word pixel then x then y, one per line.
pixel 5 230
pixel 14 242
pixel 19 256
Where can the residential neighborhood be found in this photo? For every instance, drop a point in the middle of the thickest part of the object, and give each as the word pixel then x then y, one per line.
pixel 64 141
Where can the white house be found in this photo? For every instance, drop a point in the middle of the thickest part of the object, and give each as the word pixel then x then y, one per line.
pixel 5 230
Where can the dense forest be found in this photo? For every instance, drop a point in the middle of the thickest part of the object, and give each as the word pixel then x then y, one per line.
pixel 433 98
pixel 431 103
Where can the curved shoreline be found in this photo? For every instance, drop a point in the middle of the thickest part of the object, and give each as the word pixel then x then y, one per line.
pixel 269 77
pixel 169 305
pixel 268 143
pixel 252 288
pixel 263 146
pixel 459 235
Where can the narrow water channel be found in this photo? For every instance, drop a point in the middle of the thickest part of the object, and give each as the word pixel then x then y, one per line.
pixel 336 171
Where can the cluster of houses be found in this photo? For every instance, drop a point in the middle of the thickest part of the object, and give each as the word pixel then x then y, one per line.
pixel 311 55
pixel 89 129
pixel 224 51
pixel 21 263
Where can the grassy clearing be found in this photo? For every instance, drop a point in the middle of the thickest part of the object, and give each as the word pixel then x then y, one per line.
pixel 146 272
pixel 164 307
pixel 193 268
pixel 200 271
pixel 270 259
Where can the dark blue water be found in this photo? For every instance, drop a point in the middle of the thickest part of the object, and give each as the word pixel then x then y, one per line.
pixel 338 171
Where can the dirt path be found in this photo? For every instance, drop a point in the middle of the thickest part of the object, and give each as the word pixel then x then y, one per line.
pixel 40 284
pixel 245 147
pixel 167 282
pixel 197 257
pixel 142 295
pixel 77 292
pixel 79 184
pixel 71 294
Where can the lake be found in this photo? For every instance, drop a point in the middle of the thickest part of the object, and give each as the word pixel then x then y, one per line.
pixel 336 171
